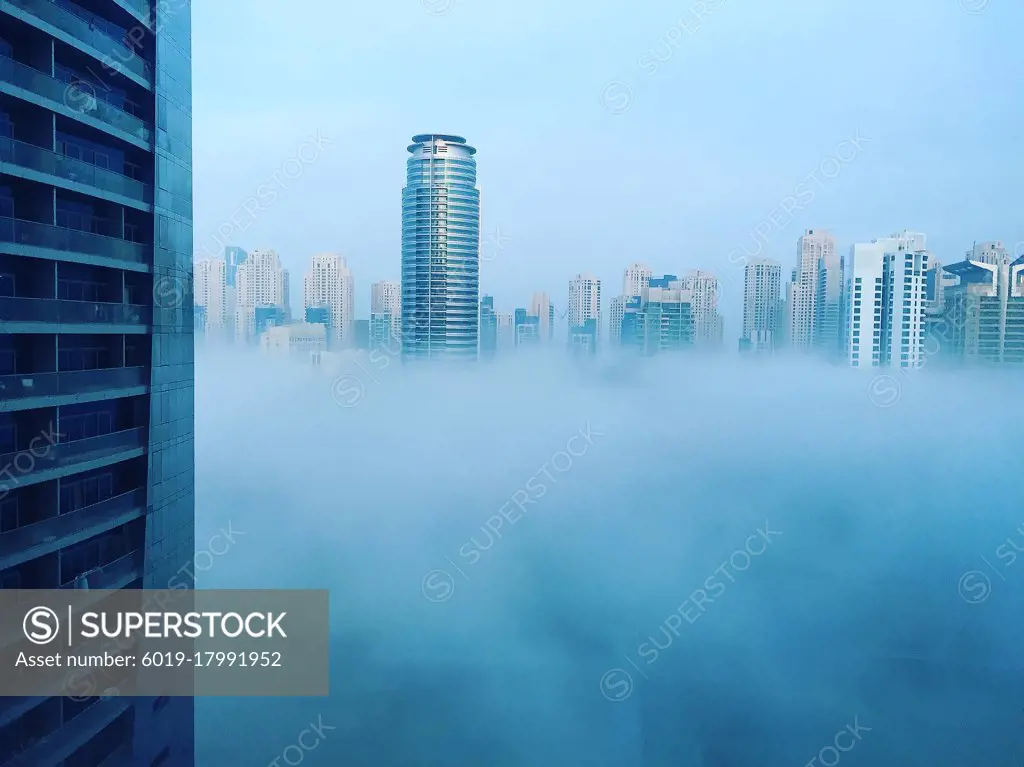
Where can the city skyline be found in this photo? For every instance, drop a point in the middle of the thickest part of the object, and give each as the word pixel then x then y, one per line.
pixel 692 191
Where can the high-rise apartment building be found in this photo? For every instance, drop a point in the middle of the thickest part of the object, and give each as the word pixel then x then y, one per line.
pixel 262 295
pixel 488 328
pixel 440 250
pixel 707 323
pixel 885 302
pixel 527 328
pixel 506 330
pixel 661 317
pixel 616 313
pixel 542 308
pixel 211 294
pixel 386 312
pixel 233 258
pixel 983 317
pixel 635 279
pixel 813 248
pixel 762 283
pixel 329 284
pixel 96 340
pixel 584 308
pixel 828 304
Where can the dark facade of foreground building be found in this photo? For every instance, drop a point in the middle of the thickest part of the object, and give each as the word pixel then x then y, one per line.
pixel 96 331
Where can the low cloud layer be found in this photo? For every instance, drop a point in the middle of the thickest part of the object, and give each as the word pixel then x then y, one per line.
pixel 692 562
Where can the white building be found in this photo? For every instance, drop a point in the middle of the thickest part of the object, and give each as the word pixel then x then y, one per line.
pixel 329 284
pixel 210 278
pixel 616 311
pixel 386 296
pixel 707 323
pixel 814 247
pixel 506 332
pixel 636 278
pixel 885 302
pixel 262 283
pixel 301 340
pixel 584 301
pixel 541 307
pixel 762 285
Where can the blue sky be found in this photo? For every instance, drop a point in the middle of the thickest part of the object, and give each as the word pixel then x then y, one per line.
pixel 745 103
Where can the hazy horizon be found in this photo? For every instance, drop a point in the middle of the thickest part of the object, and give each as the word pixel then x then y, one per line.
pixel 726 116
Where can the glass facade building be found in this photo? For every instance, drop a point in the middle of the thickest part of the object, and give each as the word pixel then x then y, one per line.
pixel 96 340
pixel 440 250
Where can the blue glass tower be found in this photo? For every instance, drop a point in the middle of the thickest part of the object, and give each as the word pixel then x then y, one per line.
pixel 96 340
pixel 440 250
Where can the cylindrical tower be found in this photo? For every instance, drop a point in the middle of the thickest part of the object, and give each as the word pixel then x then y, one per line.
pixel 440 250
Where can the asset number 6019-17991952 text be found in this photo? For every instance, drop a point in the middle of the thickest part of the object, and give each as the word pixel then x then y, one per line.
pixel 241 659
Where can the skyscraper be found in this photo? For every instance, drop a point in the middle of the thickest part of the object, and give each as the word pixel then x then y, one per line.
pixel 762 283
pixel 661 317
pixel 813 248
pixel 262 295
pixel 885 302
pixel 635 279
pixel 616 312
pixel 329 284
pixel 96 346
pixel 386 299
pixel 211 294
pixel 440 250
pixel 707 323
pixel 828 302
pixel 233 258
pixel 541 307
pixel 983 317
pixel 584 301
pixel 488 328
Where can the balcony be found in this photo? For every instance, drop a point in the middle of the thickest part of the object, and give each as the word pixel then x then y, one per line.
pixel 63 742
pixel 114 575
pixel 36 540
pixel 50 461
pixel 75 172
pixel 85 247
pixel 32 312
pixel 73 100
pixel 21 391
pixel 112 52
pixel 140 8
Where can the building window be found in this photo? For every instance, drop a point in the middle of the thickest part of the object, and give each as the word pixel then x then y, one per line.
pixel 162 757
